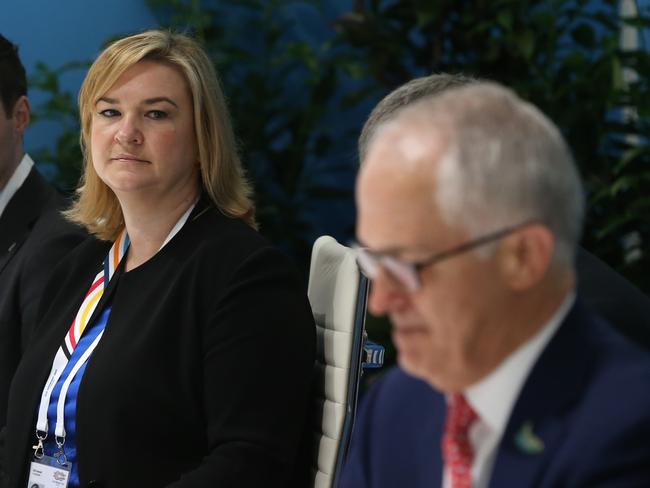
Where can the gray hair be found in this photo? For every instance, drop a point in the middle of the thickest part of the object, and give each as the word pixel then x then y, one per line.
pixel 404 96
pixel 504 162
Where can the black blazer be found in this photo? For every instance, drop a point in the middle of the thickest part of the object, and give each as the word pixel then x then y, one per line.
pixel 202 376
pixel 33 238
pixel 613 297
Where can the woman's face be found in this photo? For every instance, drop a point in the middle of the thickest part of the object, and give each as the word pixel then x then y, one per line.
pixel 142 135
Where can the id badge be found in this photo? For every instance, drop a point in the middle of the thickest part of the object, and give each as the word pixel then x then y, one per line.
pixel 48 473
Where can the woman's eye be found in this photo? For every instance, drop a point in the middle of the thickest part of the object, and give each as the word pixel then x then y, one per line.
pixel 109 112
pixel 156 114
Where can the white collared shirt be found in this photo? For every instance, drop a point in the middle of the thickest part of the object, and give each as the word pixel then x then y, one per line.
pixel 494 397
pixel 15 182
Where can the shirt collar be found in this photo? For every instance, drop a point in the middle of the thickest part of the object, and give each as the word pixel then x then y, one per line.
pixel 15 182
pixel 493 397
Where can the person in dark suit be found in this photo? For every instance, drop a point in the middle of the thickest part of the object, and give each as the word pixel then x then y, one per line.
pixel 469 213
pixel 603 289
pixel 34 236
pixel 190 354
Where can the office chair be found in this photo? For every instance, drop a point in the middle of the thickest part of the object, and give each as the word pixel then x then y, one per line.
pixel 337 292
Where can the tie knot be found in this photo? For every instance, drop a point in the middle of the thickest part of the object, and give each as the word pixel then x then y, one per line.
pixel 456 448
pixel 460 414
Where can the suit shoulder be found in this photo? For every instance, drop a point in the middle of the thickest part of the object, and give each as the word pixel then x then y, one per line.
pixel 613 297
pixel 610 423
pixel 397 394
pixel 215 227
pixel 400 419
pixel 395 380
pixel 88 250
pixel 51 239
pixel 616 384
pixel 616 353
pixel 232 242
pixel 51 224
pixel 623 369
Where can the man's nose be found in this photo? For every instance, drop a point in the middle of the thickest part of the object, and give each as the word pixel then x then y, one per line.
pixel 385 294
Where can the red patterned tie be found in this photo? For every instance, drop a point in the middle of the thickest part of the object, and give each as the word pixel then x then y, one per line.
pixel 456 448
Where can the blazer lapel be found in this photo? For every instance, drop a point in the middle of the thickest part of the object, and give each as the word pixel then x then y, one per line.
pixel 10 251
pixel 433 422
pixel 538 421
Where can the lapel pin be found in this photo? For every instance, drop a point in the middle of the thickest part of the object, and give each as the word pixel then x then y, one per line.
pixel 527 441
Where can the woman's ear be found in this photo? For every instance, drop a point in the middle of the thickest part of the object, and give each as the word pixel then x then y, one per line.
pixel 526 255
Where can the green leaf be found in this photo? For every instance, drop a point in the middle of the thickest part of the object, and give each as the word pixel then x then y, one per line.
pixel 505 19
pixel 526 43
pixel 622 184
pixel 614 225
pixel 629 156
pixel 425 14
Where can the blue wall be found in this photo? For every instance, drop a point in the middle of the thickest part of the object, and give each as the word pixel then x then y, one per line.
pixel 74 30
pixel 59 32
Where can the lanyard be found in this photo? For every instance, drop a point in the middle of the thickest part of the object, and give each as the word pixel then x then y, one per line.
pixel 100 283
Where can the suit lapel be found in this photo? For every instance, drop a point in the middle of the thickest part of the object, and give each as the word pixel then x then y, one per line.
pixel 438 428
pixel 11 250
pixel 21 213
pixel 538 422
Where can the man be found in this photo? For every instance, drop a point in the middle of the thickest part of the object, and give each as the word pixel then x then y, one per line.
pixel 33 234
pixel 470 209
pixel 603 289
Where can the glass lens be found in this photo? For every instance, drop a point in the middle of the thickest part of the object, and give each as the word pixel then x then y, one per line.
pixel 403 273
pixel 368 263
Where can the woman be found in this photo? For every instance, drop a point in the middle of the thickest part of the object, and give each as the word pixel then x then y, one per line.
pixel 190 353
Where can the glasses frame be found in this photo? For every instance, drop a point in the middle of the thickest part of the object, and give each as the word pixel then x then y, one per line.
pixel 408 273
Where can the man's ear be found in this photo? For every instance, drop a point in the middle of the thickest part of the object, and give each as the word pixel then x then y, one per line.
pixel 21 115
pixel 525 256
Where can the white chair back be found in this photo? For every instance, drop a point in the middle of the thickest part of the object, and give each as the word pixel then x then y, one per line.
pixel 337 293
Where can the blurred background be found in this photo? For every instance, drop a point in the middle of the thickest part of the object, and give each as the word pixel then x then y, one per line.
pixel 302 76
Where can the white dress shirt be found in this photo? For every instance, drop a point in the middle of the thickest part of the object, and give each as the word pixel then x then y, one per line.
pixel 15 182
pixel 494 397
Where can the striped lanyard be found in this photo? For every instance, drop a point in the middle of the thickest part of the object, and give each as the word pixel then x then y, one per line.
pixel 82 318
pixel 100 283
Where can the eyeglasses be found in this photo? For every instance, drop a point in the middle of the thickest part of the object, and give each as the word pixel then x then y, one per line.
pixel 407 274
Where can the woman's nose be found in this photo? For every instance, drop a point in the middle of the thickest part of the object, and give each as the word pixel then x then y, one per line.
pixel 128 132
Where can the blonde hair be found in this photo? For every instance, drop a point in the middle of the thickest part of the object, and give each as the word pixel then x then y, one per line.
pixel 222 173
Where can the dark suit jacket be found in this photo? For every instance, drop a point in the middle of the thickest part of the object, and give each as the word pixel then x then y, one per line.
pixel 202 376
pixel 587 399
pixel 33 238
pixel 613 297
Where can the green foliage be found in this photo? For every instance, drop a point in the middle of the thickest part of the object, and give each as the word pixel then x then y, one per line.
pixel 565 57
pixel 59 107
pixel 297 103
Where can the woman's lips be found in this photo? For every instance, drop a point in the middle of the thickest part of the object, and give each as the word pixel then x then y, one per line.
pixel 128 157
